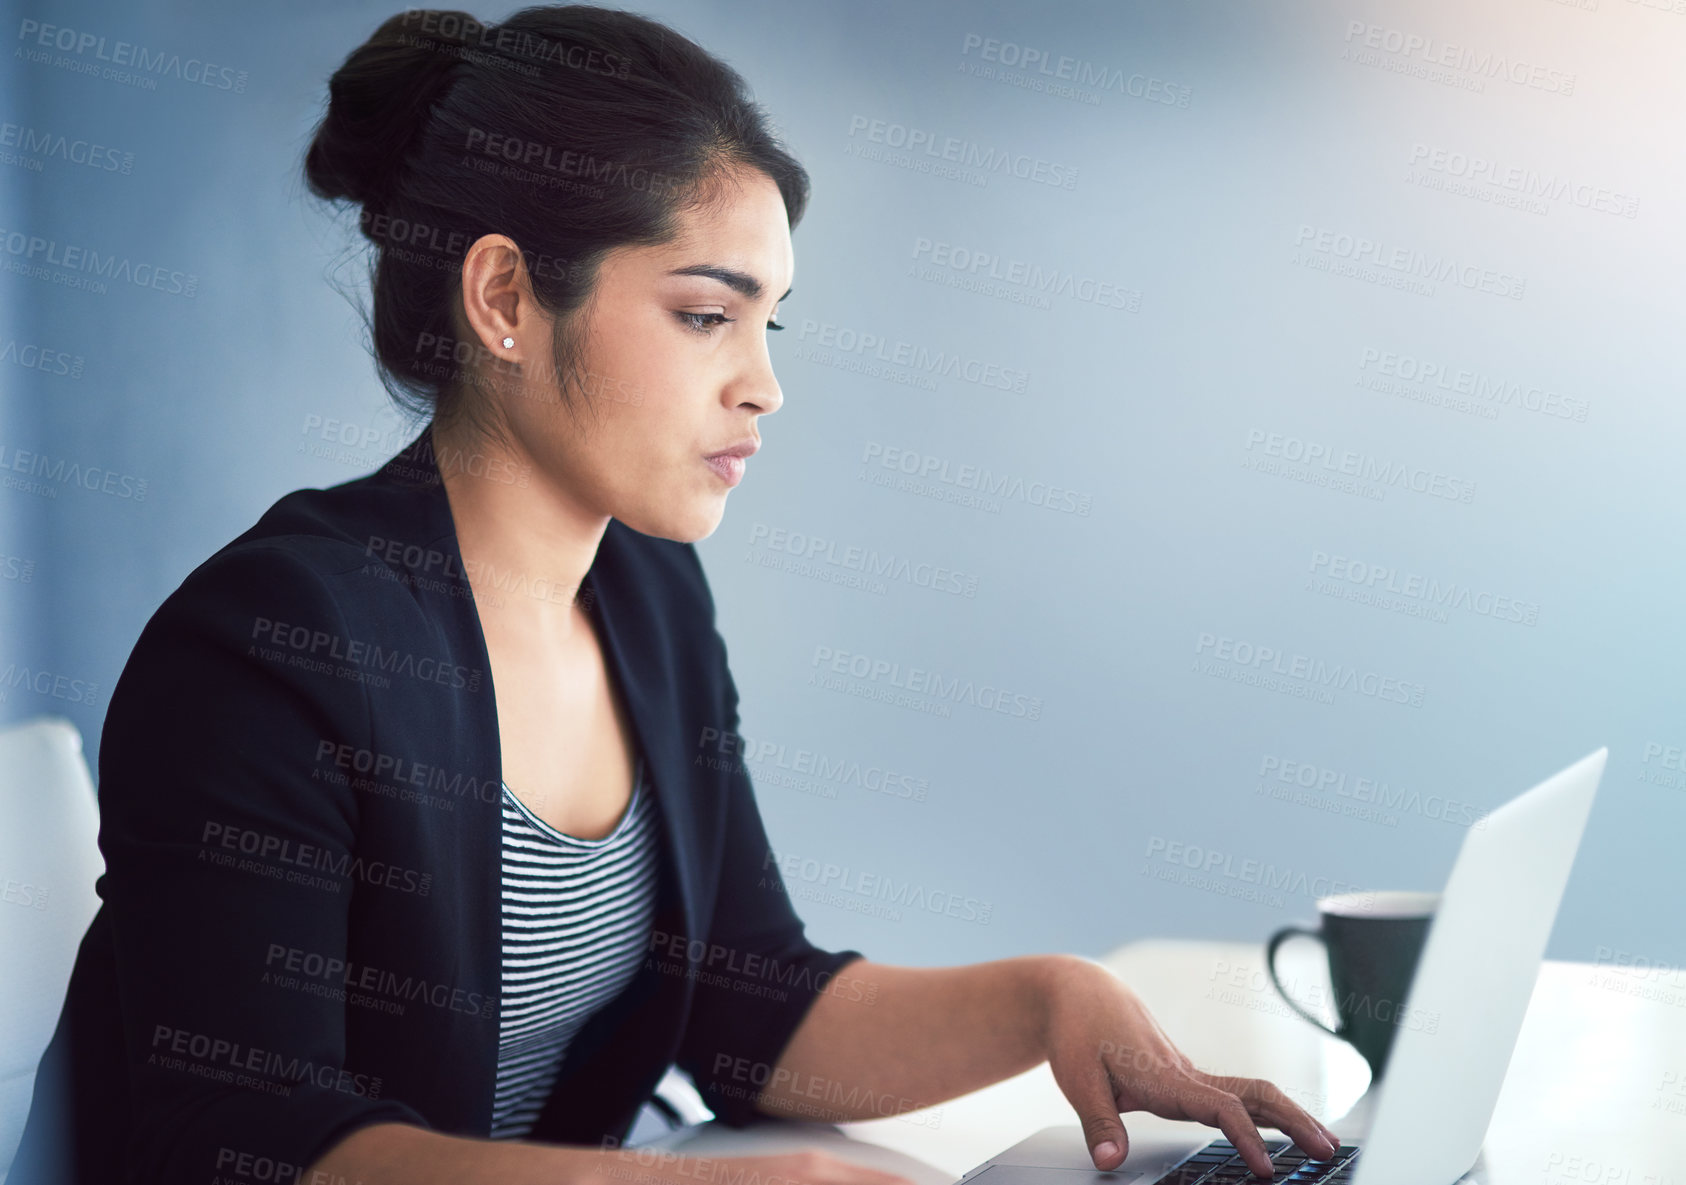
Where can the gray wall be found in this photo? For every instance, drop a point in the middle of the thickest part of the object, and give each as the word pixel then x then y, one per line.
pixel 1294 234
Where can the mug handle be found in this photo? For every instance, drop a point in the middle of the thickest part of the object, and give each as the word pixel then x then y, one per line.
pixel 1271 947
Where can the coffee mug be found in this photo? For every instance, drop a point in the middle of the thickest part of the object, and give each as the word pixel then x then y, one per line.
pixel 1373 941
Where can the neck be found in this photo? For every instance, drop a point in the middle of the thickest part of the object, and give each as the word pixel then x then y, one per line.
pixel 526 542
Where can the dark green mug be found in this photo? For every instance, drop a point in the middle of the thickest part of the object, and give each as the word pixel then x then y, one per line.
pixel 1373 941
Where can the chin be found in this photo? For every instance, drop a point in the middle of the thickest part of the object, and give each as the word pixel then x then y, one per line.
pixel 685 525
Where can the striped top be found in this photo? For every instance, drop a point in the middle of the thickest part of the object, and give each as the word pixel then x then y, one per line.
pixel 576 919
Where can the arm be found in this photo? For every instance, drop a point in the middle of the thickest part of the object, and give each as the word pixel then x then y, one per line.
pixel 205 772
pixel 207 758
pixel 395 1153
pixel 936 1033
pixel 919 1043
pixel 871 1040
pixel 758 975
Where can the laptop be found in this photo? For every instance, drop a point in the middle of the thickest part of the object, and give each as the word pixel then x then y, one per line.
pixel 1429 1113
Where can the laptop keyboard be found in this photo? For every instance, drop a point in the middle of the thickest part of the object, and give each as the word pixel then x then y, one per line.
pixel 1220 1163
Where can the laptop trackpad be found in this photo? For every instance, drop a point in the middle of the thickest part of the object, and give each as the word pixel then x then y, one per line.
pixel 1059 1156
pixel 1024 1174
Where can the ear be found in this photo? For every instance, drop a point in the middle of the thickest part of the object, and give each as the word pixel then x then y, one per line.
pixel 497 297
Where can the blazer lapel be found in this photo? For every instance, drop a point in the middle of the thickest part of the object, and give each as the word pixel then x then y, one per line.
pixel 627 619
pixel 630 609
pixel 624 616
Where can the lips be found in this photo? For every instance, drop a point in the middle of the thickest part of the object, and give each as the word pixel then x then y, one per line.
pixel 729 467
pixel 729 462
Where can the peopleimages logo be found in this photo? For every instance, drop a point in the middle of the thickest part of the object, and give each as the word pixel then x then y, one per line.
pixel 82 266
pixel 540 158
pixel 958 260
pixel 968 154
pixel 66 473
pixel 38 143
pixel 1528 185
pixel 921 681
pixel 491 43
pixel 1671 756
pixel 1360 250
pixel 1422 51
pixel 1206 862
pixel 42 682
pixel 378 769
pixel 33 357
pixel 1461 380
pixel 775 757
pixel 310 644
pixel 926 468
pixel 1324 782
pixel 878 887
pixel 816 550
pixel 128 54
pixel 268 1070
pixel 1245 662
pixel 1031 60
pixel 268 852
pixel 937 363
pixel 1357 466
pixel 1426 590
pixel 345 977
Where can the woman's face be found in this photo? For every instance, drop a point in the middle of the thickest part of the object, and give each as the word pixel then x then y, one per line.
pixel 672 367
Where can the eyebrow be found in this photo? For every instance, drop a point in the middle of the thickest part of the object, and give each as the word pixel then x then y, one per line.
pixel 741 282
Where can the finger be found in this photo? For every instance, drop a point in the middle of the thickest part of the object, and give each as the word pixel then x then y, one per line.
pixel 1090 1095
pixel 1266 1101
pixel 1297 1124
pixel 1222 1109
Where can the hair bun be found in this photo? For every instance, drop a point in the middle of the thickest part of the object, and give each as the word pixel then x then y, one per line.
pixel 379 101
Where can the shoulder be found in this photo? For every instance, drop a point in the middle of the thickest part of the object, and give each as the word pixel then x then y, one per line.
pixel 336 529
pixel 254 616
pixel 312 547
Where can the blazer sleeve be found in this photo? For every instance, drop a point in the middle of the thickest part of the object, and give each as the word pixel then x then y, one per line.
pixel 760 975
pixel 208 814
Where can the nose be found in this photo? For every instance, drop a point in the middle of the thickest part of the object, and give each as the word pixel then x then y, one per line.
pixel 757 387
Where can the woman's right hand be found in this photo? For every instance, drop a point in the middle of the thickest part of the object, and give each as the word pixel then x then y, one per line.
pixel 655 1166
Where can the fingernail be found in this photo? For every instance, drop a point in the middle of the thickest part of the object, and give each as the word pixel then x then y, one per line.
pixel 1105 1150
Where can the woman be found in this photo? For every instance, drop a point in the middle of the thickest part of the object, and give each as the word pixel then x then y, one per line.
pixel 367 917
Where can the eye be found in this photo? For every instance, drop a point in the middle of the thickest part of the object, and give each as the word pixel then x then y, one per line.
pixel 703 322
pixel 774 325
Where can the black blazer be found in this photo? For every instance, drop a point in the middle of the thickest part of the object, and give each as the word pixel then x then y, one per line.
pixel 300 928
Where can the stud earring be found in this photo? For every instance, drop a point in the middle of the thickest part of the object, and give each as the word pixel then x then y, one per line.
pixel 509 343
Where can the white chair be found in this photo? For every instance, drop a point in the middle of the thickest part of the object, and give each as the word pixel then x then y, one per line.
pixel 49 861
pixel 674 1104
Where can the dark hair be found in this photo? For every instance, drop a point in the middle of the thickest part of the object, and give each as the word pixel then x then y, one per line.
pixel 571 129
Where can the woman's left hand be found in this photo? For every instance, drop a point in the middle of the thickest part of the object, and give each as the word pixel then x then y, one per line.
pixel 1109 1055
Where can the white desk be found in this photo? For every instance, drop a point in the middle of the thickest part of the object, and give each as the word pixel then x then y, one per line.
pixel 1596 1093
